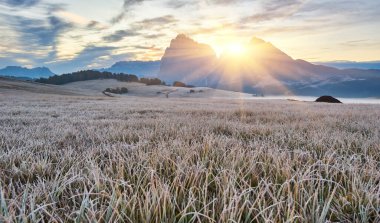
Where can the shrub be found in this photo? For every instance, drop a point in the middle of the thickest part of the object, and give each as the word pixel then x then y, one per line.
pixel 178 84
pixel 122 90
pixel 151 81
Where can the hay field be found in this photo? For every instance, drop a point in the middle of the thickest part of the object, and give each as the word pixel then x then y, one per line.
pixel 141 159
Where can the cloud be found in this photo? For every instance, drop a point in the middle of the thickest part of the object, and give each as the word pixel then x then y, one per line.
pixel 178 3
pixel 211 30
pixel 152 48
pixel 54 7
pixel 126 6
pixel 275 5
pixel 39 32
pixel 225 2
pixel 87 56
pixel 92 52
pixel 119 35
pixel 160 22
pixel 21 3
pixel 101 56
pixel 154 36
pixel 92 24
pixel 361 43
pixel 9 61
pixel 36 33
pixel 95 25
pixel 274 9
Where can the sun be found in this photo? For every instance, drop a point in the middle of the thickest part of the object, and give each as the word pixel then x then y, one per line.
pixel 232 49
pixel 236 49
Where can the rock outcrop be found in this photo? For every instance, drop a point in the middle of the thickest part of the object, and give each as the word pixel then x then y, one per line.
pixel 187 61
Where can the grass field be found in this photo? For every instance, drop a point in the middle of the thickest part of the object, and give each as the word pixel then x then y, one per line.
pixel 139 159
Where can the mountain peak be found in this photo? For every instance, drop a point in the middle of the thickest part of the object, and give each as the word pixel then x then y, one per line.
pixel 182 41
pixel 187 60
pixel 182 36
pixel 256 40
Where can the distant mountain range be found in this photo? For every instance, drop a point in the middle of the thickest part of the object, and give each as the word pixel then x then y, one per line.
pixel 352 64
pixel 139 68
pixel 263 70
pixel 26 73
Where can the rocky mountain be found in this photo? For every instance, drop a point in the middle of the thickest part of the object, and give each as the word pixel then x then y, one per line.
pixel 139 68
pixel 263 69
pixel 187 61
pixel 26 73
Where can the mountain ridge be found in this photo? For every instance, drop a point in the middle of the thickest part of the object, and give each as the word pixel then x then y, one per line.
pixel 366 65
pixel 24 72
pixel 136 67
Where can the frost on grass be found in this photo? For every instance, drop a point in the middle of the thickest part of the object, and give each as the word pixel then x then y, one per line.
pixel 89 159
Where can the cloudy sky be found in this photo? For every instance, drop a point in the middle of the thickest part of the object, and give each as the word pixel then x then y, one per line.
pixel 68 35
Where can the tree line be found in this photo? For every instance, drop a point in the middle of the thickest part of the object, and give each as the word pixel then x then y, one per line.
pixel 85 75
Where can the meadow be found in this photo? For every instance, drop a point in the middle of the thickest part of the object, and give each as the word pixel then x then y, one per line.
pixel 138 159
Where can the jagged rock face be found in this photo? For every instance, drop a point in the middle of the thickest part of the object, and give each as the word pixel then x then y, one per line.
pixel 187 61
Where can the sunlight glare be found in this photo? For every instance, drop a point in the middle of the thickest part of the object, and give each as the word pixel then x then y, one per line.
pixel 236 49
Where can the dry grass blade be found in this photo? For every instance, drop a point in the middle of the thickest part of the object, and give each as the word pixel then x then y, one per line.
pixel 135 159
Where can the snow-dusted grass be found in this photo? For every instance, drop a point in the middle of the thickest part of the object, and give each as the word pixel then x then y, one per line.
pixel 130 159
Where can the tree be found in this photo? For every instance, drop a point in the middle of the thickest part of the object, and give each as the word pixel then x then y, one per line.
pixel 179 84
pixel 85 75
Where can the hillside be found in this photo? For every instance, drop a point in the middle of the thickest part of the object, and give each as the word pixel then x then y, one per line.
pixel 12 85
pixel 95 87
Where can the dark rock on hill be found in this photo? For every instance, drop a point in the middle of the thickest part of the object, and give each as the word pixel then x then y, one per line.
pixel 327 99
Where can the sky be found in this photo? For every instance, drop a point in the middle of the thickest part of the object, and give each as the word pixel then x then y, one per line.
pixel 69 35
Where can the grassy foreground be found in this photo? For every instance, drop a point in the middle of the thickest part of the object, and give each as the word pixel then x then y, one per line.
pixel 88 159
